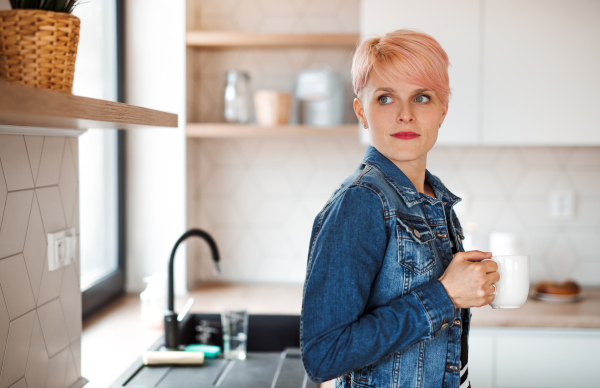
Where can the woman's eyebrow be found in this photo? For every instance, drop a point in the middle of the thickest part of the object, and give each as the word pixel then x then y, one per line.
pixel 389 90
pixel 420 90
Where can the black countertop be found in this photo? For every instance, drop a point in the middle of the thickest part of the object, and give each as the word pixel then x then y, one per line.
pixel 273 360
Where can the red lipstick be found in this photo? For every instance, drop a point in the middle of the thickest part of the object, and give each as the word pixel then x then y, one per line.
pixel 405 135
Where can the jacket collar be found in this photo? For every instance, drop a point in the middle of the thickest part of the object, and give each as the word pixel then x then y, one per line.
pixel 400 182
pixel 441 191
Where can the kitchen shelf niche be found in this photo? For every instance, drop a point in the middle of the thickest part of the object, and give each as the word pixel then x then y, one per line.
pixel 223 130
pixel 224 39
pixel 25 106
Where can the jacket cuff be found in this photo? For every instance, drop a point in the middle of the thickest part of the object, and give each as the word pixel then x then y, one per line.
pixel 437 305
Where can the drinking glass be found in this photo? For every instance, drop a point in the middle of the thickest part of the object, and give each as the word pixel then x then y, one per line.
pixel 235 332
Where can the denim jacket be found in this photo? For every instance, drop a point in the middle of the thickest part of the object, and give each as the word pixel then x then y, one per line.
pixel 373 312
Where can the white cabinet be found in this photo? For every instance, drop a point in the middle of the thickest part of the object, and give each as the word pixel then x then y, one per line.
pixel 534 358
pixel 481 358
pixel 523 72
pixel 455 24
pixel 540 72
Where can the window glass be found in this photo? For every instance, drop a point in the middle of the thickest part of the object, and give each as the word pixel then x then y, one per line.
pixel 96 77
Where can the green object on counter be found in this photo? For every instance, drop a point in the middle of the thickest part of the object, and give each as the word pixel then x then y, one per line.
pixel 210 351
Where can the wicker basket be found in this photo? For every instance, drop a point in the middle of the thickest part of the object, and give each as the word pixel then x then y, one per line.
pixel 38 48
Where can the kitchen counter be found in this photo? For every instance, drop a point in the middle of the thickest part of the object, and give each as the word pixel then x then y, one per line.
pixel 584 314
pixel 119 326
pixel 114 338
pixel 274 299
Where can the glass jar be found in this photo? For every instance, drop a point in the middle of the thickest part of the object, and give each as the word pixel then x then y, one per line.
pixel 236 96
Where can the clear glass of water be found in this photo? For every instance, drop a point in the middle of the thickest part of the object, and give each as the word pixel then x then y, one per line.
pixel 235 332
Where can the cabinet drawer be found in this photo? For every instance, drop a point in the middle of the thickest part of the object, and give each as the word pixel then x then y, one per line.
pixel 547 359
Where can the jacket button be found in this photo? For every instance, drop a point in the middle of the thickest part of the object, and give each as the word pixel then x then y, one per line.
pixel 457 322
pixel 417 233
pixel 445 325
pixel 452 367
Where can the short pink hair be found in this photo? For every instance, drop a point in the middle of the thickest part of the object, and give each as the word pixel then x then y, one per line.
pixel 406 55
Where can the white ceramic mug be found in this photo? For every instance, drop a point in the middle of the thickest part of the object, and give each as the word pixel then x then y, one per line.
pixel 513 287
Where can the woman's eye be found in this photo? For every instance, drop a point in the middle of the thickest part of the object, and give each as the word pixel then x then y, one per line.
pixel 422 99
pixel 385 99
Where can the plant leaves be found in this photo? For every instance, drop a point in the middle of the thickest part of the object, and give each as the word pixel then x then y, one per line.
pixel 46 5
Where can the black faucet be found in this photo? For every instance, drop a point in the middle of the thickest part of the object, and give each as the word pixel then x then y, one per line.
pixel 171 322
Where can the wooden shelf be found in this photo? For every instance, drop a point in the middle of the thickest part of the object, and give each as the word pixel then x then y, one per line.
pixel 240 39
pixel 218 130
pixel 30 107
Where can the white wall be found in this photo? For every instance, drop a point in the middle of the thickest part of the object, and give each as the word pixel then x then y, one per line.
pixel 155 78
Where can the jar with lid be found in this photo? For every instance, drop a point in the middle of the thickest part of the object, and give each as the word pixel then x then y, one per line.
pixel 236 96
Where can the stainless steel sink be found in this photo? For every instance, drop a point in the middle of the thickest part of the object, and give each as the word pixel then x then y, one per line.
pixel 273 357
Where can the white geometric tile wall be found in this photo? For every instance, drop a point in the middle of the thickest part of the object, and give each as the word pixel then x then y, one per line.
pixel 507 189
pixel 259 199
pixel 40 311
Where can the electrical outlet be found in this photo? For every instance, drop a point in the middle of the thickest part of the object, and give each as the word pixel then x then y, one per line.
pixel 562 205
pixel 61 248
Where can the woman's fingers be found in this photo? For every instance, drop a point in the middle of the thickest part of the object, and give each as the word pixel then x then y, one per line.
pixel 472 256
pixel 490 266
pixel 468 280
pixel 493 277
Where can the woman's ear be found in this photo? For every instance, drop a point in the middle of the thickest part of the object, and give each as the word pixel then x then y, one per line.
pixel 360 112
pixel 444 112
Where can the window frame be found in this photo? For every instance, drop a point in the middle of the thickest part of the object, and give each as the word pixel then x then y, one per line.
pixel 112 286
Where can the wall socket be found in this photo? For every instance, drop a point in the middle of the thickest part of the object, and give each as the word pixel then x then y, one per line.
pixel 562 205
pixel 61 248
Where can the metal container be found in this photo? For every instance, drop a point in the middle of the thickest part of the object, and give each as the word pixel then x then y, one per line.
pixel 318 99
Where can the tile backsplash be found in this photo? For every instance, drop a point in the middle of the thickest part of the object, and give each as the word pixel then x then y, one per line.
pixel 259 198
pixel 40 311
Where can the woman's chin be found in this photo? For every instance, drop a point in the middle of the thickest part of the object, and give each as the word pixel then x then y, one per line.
pixel 405 155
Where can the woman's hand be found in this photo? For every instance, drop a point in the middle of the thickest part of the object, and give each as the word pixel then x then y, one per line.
pixel 468 280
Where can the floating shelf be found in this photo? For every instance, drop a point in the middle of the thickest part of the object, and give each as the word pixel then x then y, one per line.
pixel 218 130
pixel 30 107
pixel 241 39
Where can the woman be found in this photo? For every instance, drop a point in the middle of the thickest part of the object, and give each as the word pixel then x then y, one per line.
pixel 388 283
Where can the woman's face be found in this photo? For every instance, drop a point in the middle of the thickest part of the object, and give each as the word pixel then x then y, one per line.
pixel 403 119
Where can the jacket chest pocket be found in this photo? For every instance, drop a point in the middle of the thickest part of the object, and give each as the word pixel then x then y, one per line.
pixel 414 244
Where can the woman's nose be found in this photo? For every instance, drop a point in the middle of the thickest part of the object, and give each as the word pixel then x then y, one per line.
pixel 406 115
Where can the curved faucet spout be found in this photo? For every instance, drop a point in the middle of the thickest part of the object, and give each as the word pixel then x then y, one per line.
pixel 170 317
